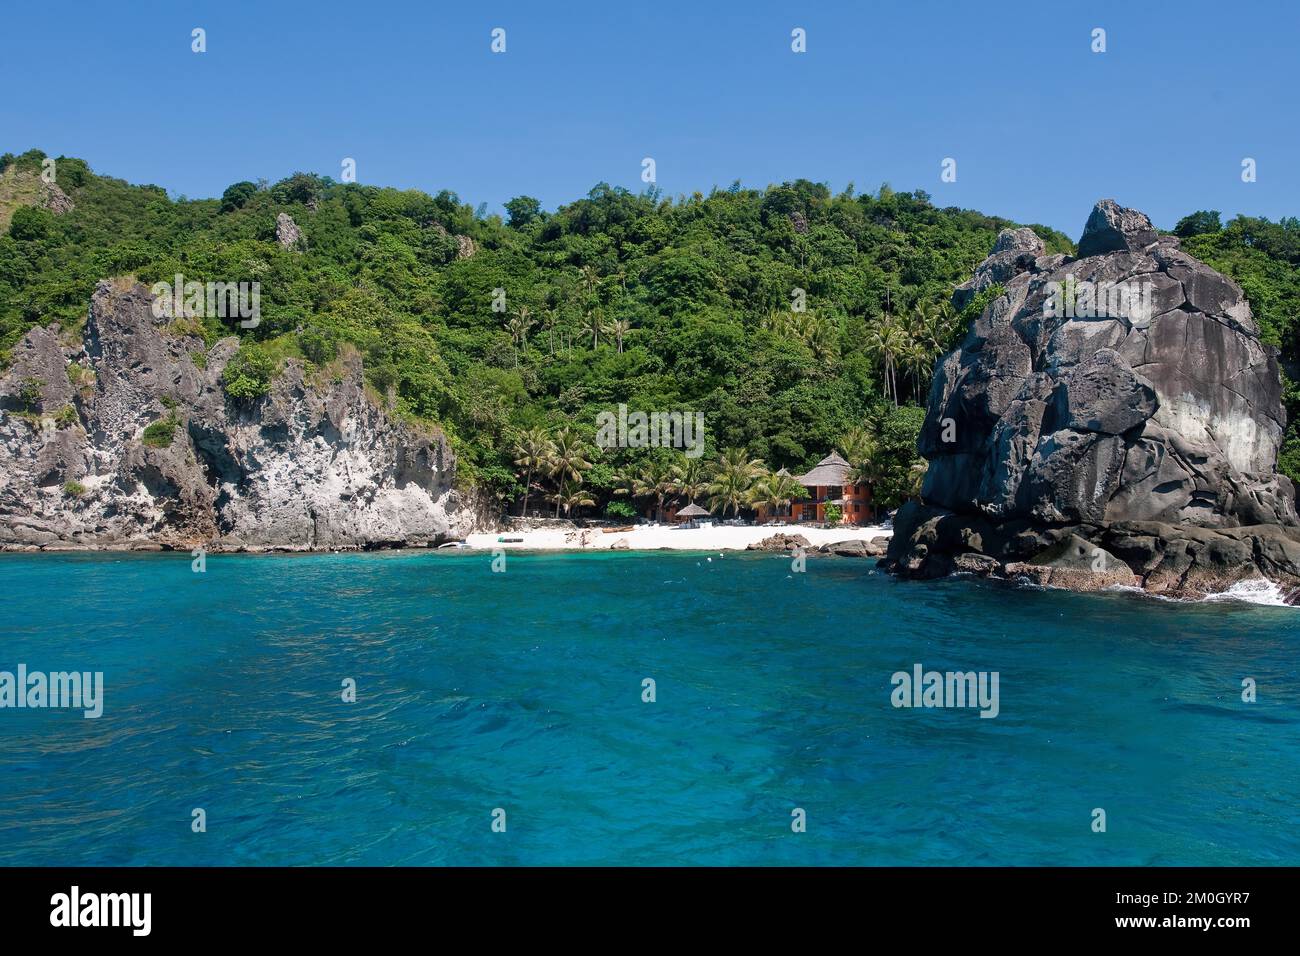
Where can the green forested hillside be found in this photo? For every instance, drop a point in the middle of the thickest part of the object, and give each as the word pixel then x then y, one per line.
pixel 663 303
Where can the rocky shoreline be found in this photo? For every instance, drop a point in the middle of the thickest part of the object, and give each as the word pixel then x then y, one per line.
pixel 1094 446
pixel 124 439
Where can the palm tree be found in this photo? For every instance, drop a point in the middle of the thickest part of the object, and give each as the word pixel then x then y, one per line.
pixel 594 324
pixel 728 490
pixel 947 322
pixel 550 321
pixel 690 478
pixel 917 360
pixel 858 444
pixel 618 328
pixel 931 326
pixel 732 479
pixel 568 460
pixel 571 496
pixel 655 481
pixel 738 460
pixel 624 480
pixel 776 490
pixel 525 317
pixel 590 280
pixel 620 274
pixel 533 452
pixel 884 342
pixel 819 336
pixel 862 452
pixel 779 323
pixel 515 326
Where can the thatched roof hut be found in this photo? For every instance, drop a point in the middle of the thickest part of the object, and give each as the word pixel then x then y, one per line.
pixel 830 472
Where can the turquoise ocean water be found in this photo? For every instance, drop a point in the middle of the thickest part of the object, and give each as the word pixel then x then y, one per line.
pixel 523 691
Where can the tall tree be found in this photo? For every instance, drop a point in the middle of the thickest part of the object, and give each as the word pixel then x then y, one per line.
pixel 775 491
pixel 568 461
pixel 533 451
pixel 690 477
pixel 655 481
pixel 733 477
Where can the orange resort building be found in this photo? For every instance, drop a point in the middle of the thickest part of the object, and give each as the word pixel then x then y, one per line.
pixel 828 484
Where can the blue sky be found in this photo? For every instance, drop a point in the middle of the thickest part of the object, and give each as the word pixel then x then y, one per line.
pixel 1040 126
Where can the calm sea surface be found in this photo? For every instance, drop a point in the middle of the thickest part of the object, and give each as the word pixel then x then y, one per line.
pixel 523 691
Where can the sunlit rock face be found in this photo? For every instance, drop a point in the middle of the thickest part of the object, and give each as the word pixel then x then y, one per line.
pixel 1127 384
pixel 315 464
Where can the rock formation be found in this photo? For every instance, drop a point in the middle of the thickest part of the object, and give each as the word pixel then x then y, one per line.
pixel 315 464
pixel 857 547
pixel 1118 403
pixel 287 233
pixel 55 199
pixel 780 542
pixel 465 247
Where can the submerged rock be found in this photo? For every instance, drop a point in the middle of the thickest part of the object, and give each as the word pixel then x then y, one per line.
pixel 1120 399
pixel 315 464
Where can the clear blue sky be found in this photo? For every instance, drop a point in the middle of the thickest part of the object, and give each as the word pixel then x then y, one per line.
pixel 1040 126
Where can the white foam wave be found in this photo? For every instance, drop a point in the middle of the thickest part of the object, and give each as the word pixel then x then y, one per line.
pixel 1255 591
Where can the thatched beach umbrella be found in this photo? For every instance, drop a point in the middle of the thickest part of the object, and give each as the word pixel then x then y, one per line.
pixel 692 511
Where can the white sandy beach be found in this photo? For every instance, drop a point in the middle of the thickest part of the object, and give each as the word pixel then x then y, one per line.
pixel 669 537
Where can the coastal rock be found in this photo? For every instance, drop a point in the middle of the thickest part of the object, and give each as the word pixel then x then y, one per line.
pixel 856 548
pixel 780 542
pixel 1076 564
pixel 1122 398
pixel 287 233
pixel 315 464
pixel 980 565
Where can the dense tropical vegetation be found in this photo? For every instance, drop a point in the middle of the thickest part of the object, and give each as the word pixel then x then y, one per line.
pixel 795 319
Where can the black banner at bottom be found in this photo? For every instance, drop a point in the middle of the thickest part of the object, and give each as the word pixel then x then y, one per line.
pixel 339 905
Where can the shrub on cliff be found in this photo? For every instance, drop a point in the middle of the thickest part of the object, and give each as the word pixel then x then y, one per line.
pixel 66 417
pixel 247 376
pixel 161 433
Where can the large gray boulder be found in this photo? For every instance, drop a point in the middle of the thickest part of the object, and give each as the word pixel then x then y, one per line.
pixel 1125 385
pixel 314 464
